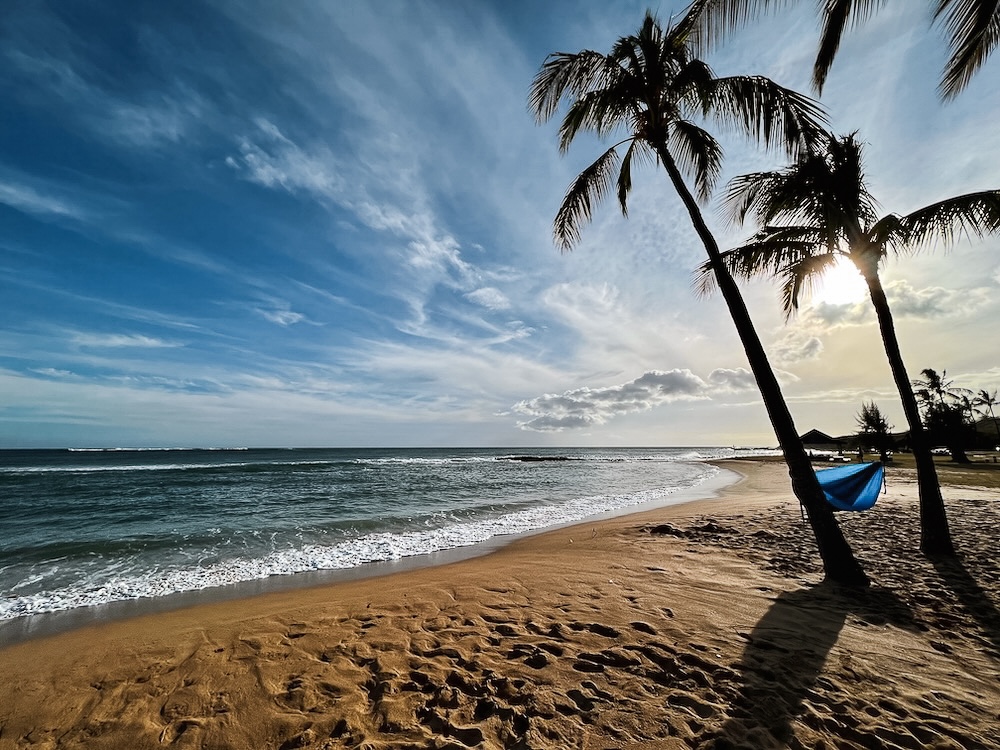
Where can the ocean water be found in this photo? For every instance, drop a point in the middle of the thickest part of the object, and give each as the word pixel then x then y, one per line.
pixel 89 528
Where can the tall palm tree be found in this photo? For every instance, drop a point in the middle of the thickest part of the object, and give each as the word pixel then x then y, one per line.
pixel 988 400
pixel 818 210
pixel 649 88
pixel 973 28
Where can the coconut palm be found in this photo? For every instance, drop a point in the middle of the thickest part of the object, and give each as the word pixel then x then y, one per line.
pixel 949 412
pixel 973 28
pixel 818 210
pixel 650 89
pixel 987 401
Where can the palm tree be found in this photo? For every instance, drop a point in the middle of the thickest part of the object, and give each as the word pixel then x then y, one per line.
pixel 973 28
pixel 650 87
pixel 988 400
pixel 818 210
pixel 949 411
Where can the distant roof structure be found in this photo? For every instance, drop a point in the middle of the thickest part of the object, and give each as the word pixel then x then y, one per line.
pixel 817 439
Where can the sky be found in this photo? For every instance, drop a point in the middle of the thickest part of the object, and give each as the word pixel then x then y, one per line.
pixel 248 223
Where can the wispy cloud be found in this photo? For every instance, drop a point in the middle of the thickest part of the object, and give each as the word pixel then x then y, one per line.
pixel 284 317
pixel 30 200
pixel 272 160
pixel 490 298
pixel 120 340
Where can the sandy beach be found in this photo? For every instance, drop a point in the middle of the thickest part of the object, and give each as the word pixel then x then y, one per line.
pixel 699 625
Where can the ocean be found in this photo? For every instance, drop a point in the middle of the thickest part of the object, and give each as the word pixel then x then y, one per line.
pixel 89 528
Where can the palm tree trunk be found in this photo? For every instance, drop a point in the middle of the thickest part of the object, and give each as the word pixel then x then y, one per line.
pixel 839 563
pixel 935 537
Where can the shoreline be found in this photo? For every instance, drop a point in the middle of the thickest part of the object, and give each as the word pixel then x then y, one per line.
pixel 687 626
pixel 27 628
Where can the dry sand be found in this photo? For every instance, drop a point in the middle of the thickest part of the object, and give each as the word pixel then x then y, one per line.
pixel 702 625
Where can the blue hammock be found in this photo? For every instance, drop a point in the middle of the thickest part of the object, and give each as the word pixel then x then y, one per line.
pixel 854 487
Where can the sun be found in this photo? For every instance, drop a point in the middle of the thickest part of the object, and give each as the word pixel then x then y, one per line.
pixel 840 284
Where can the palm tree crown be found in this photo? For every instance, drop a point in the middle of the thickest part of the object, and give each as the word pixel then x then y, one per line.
pixel 651 89
pixel 973 28
pixel 819 209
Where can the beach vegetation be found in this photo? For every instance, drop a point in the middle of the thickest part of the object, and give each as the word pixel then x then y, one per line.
pixel 648 95
pixel 984 402
pixel 948 411
pixel 972 27
pixel 819 210
pixel 874 429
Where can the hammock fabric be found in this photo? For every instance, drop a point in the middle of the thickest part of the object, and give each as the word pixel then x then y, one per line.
pixel 854 487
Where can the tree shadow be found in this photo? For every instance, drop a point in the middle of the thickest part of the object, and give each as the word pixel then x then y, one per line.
pixel 786 653
pixel 974 599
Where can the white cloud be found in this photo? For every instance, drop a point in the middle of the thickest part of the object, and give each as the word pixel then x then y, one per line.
pixel 29 200
pixel 828 315
pixel 120 340
pixel 933 302
pixel 490 298
pixel 796 346
pixel 282 317
pixel 586 407
pixel 739 379
pixel 281 163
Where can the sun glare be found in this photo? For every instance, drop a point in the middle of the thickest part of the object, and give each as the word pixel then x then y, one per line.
pixel 840 285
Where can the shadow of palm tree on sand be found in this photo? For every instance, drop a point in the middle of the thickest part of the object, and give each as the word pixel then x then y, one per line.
pixel 785 655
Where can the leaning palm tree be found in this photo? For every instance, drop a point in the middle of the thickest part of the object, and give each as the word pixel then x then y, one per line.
pixel 973 28
pixel 818 210
pixel 650 88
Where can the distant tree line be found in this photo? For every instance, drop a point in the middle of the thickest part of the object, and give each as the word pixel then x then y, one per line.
pixel 956 419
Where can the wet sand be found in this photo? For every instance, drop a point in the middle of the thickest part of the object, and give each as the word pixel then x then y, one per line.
pixel 699 625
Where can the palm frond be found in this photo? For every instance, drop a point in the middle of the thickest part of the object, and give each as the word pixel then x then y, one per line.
pixel 796 194
pixel 697 154
pixel 600 111
pixel 637 150
pixel 762 109
pixel 888 233
pixel 974 29
pixel 770 252
pixel 565 75
pixel 587 190
pixel 715 20
pixel 800 277
pixel 692 87
pixel 744 194
pixel 836 14
pixel 974 214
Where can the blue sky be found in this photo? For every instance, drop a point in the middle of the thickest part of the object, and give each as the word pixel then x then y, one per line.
pixel 329 224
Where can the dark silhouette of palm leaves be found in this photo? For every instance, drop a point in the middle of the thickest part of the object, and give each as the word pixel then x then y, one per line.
pixel 825 211
pixel 974 29
pixel 650 89
pixel 972 26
